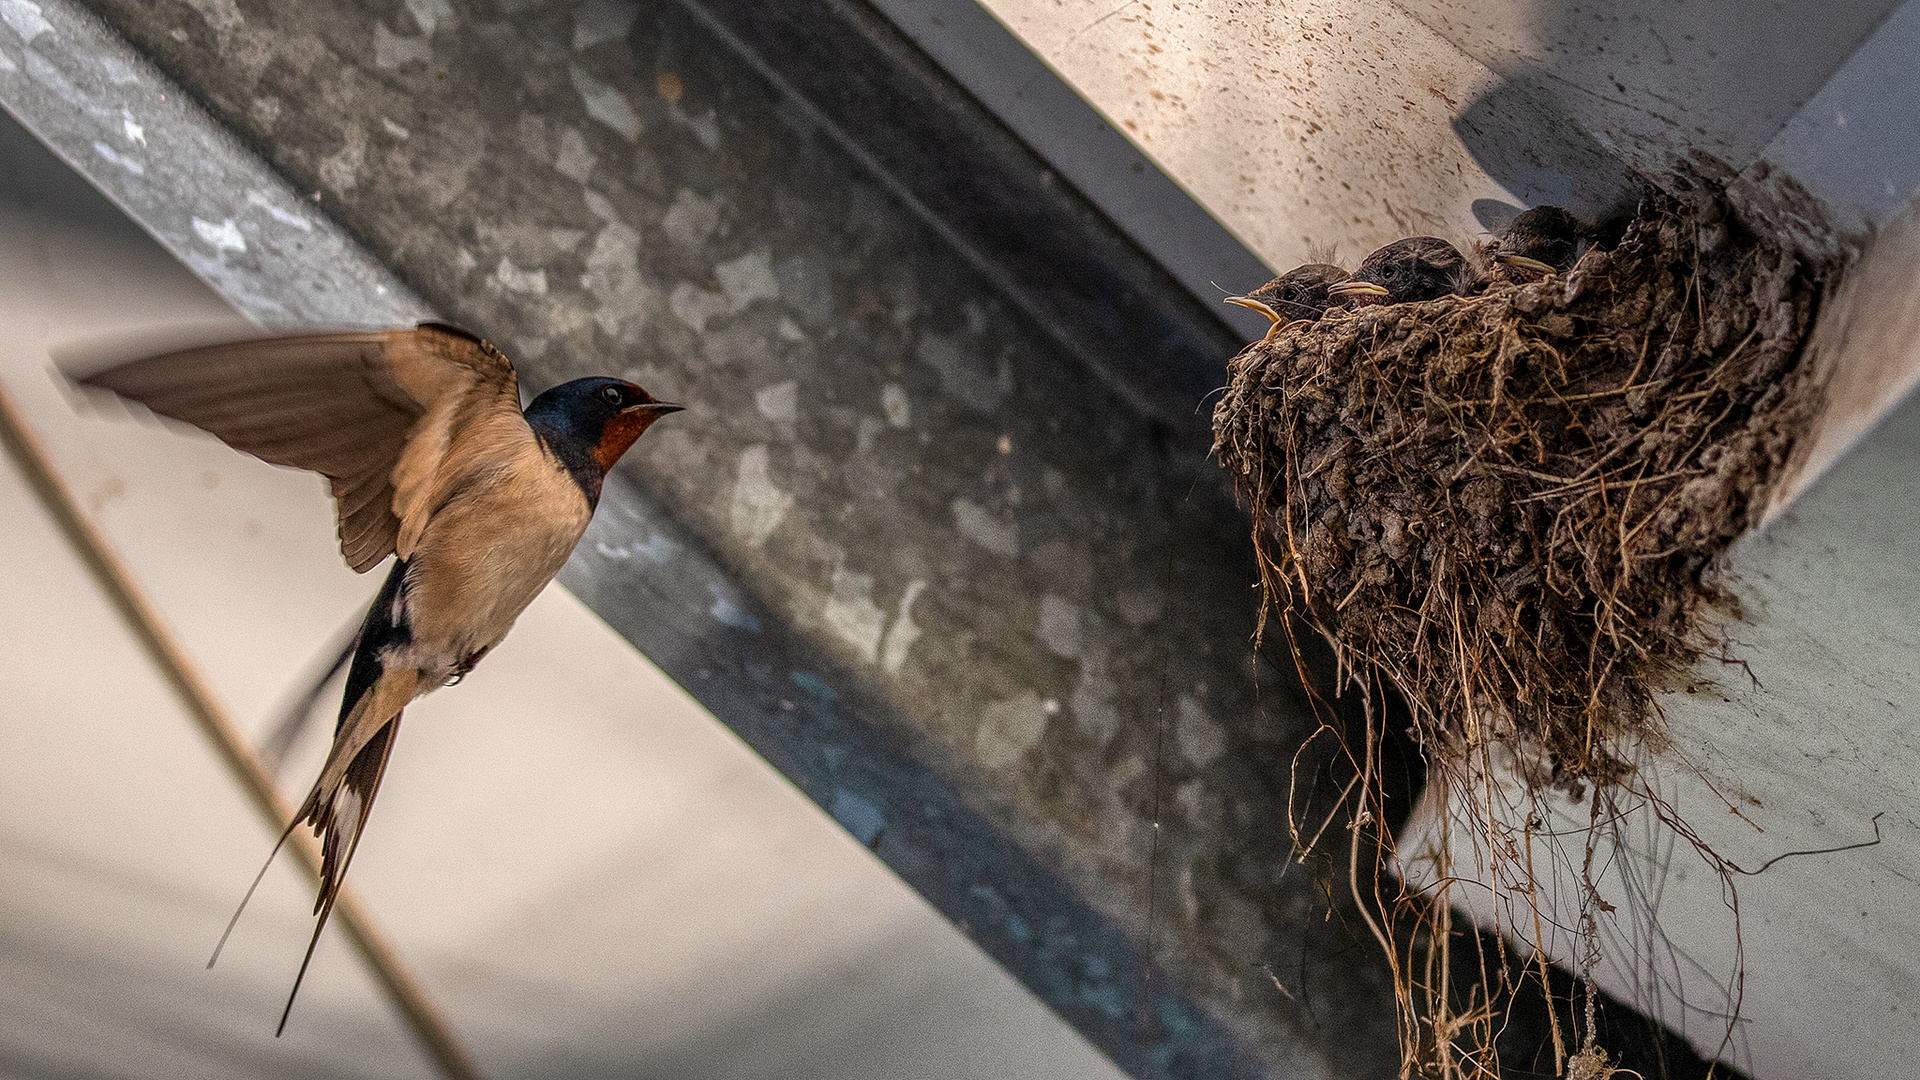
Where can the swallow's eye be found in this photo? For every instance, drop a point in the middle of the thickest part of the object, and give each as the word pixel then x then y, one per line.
pixel 612 395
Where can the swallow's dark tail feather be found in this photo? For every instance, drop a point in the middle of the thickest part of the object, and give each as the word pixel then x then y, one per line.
pixel 339 821
pixel 342 797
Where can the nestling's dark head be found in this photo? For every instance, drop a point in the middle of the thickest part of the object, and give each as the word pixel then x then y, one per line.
pixel 595 418
pixel 1405 271
pixel 1300 293
pixel 1543 240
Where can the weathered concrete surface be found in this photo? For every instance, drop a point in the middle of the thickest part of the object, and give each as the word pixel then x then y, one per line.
pixel 937 535
pixel 1349 125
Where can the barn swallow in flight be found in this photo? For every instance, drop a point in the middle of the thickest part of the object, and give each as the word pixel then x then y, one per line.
pixel 1299 294
pixel 1416 268
pixel 431 459
pixel 1539 243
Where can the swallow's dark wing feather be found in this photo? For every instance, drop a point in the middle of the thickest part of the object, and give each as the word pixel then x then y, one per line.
pixel 345 405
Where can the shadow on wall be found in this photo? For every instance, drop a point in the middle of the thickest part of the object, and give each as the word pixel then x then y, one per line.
pixel 1518 133
pixel 1592 90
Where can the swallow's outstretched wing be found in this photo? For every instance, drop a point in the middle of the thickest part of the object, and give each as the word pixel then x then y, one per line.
pixel 372 411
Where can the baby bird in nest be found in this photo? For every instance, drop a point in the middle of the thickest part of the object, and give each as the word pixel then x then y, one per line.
pixel 1299 295
pixel 1405 271
pixel 1541 242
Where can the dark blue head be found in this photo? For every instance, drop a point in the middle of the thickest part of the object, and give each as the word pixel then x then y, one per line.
pixel 588 423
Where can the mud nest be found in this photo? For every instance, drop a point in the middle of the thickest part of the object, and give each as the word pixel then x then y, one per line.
pixel 1510 504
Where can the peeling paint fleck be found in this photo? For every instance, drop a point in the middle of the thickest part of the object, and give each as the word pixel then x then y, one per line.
pixel 894 402
pixel 341 170
pixel 599 205
pixel 613 277
pixel 606 104
pixel 222 16
pixel 691 218
pixel 705 127
pixel 694 306
pixel 964 373
pixel 574 161
pixel 283 216
pixel 728 610
pixel 851 613
pixel 391 51
pixel 223 237
pixel 978 525
pixel 858 816
pixel 758 504
pixel 514 279
pixel 1200 736
pixel 748 278
pixel 113 156
pixel 1009 729
pixel 899 640
pixel 429 14
pixel 1060 628
pixel 597 21
pixel 781 401
pixel 25 18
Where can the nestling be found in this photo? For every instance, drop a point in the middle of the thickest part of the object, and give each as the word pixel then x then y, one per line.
pixel 1300 294
pixel 1409 270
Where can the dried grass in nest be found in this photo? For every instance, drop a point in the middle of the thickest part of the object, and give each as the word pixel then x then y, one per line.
pixel 1510 504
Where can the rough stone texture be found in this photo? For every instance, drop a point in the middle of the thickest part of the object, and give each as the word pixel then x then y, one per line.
pixel 937 535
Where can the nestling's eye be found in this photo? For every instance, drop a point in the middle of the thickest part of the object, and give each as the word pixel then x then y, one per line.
pixel 612 395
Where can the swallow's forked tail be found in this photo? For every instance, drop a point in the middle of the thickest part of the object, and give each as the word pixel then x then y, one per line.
pixel 341 799
pixel 339 803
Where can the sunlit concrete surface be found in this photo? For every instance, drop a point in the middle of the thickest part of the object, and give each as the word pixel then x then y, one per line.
pixel 591 875
pixel 1332 125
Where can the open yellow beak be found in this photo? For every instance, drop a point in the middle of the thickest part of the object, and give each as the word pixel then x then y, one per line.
pixel 1273 316
pixel 1525 263
pixel 1357 288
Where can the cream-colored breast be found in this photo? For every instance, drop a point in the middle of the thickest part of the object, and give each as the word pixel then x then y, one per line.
pixel 508 522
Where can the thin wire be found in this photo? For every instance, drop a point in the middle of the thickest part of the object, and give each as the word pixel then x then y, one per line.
pixel 406 993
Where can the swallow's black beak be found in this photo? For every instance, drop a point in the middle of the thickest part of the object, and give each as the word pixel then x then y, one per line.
pixel 657 408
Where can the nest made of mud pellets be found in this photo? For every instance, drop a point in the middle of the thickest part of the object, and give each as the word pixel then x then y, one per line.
pixel 1505 503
